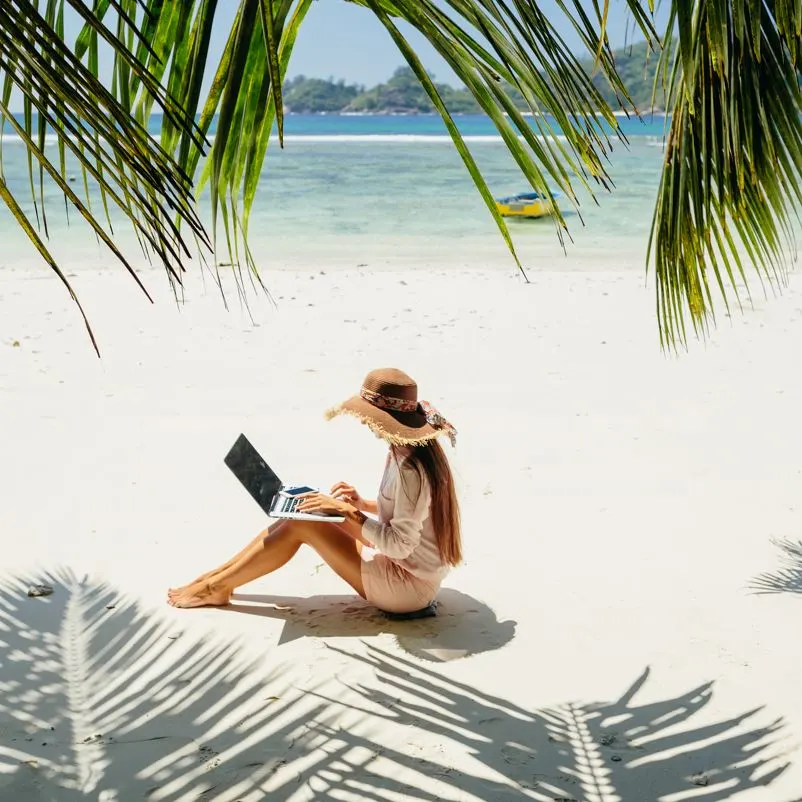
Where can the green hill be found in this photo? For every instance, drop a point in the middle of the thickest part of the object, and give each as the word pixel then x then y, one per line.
pixel 313 95
pixel 403 94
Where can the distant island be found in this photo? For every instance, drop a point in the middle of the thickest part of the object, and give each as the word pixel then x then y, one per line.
pixel 403 94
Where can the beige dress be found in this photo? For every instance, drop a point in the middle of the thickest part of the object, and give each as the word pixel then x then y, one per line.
pixel 403 571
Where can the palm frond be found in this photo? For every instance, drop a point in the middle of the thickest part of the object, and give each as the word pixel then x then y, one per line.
pixel 730 69
pixel 93 125
pixel 485 42
pixel 731 177
pixel 160 53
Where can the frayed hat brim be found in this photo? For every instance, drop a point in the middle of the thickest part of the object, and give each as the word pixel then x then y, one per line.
pixel 397 428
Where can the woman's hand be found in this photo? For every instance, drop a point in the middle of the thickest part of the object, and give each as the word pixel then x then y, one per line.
pixel 345 492
pixel 325 505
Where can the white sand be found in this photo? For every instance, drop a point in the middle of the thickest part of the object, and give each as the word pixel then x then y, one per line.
pixel 602 643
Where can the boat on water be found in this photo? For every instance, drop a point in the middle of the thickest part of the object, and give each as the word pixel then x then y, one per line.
pixel 525 204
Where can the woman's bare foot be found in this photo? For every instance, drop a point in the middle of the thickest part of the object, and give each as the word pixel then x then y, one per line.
pixel 208 577
pixel 201 594
pixel 182 588
pixel 201 580
pixel 173 592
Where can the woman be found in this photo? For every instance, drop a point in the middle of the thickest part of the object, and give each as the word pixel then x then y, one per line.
pixel 416 536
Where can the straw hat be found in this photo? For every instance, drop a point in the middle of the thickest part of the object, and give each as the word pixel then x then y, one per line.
pixel 388 403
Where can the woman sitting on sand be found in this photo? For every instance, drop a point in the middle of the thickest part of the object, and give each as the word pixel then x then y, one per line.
pixel 416 538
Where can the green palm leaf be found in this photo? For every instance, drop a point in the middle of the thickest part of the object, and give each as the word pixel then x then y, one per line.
pixel 732 164
pixel 731 176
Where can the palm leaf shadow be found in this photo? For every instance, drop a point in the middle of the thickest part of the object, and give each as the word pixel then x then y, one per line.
pixel 100 701
pixel 788 578
pixel 98 696
pixel 576 752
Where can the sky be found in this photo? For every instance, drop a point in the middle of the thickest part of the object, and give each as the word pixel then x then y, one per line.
pixel 342 40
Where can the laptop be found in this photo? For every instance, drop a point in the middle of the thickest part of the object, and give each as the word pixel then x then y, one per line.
pixel 270 493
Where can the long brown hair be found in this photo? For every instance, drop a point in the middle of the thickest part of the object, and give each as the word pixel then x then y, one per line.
pixel 430 460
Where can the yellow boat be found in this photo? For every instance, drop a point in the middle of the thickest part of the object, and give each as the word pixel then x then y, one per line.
pixel 527 204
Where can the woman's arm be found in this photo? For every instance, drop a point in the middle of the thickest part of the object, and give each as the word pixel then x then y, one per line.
pixel 354 518
pixel 370 506
pixel 398 537
pixel 353 524
pixel 347 492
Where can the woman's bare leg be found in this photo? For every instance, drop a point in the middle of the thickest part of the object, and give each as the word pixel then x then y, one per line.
pixel 238 556
pixel 270 551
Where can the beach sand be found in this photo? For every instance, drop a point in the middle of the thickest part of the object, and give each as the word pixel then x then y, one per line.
pixel 605 640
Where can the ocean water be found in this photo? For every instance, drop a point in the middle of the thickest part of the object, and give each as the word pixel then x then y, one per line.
pixel 391 191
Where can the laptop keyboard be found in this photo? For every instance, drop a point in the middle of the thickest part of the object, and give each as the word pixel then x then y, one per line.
pixel 289 504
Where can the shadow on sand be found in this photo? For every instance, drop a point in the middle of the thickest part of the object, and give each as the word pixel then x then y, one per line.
pixel 788 578
pixel 618 751
pixel 101 700
pixel 463 626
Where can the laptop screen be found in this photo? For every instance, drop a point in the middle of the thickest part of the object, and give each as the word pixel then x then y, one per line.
pixel 254 473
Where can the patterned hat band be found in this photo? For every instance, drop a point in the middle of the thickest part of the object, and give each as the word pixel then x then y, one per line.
pixel 393 404
pixel 388 401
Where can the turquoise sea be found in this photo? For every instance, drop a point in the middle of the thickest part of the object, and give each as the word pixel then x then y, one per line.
pixel 391 190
